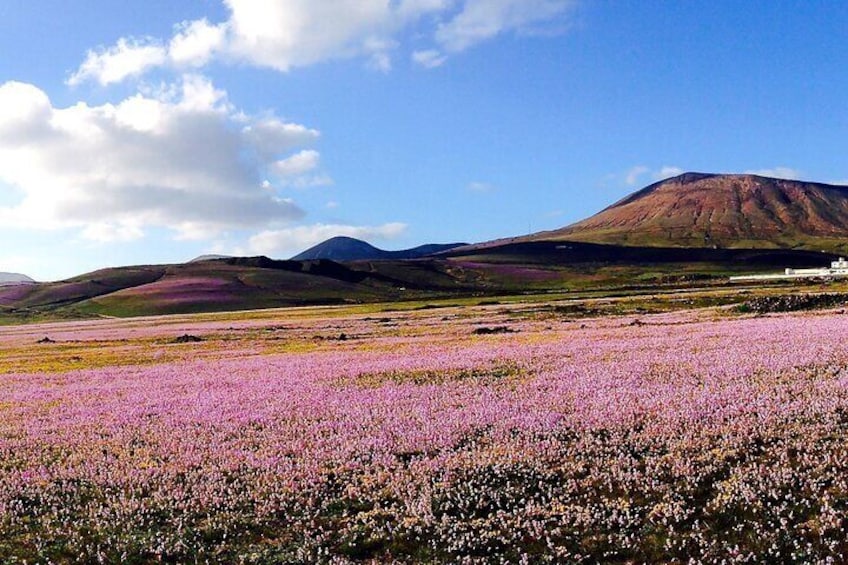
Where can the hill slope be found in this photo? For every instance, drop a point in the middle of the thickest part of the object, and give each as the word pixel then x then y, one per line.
pixel 733 211
pixel 343 248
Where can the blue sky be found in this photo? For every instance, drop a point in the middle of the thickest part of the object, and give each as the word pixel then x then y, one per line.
pixel 152 132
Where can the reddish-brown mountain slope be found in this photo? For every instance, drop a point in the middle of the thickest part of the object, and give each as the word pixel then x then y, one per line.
pixel 703 210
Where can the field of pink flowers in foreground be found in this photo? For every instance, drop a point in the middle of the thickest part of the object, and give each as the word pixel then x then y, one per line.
pixel 411 438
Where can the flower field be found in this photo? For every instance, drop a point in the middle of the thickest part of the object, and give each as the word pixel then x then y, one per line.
pixel 335 436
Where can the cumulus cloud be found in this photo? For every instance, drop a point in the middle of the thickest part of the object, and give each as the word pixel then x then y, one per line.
pixel 181 158
pixel 776 172
pixel 283 34
pixel 290 241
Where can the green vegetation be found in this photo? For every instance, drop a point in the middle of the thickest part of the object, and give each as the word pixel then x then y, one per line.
pixel 537 271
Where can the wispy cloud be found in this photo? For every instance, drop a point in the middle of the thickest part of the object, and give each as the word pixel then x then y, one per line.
pixel 480 20
pixel 667 172
pixel 641 174
pixel 429 58
pixel 128 57
pixel 634 174
pixel 477 186
pixel 776 172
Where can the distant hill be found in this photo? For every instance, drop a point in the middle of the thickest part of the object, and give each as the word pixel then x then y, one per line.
pixel 247 283
pixel 211 257
pixel 719 210
pixel 343 248
pixel 14 278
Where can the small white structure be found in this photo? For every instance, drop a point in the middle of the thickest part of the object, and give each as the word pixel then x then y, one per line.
pixel 837 268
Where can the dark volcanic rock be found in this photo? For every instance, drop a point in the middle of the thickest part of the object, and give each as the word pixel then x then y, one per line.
pixel 350 249
pixel 187 338
pixel 793 303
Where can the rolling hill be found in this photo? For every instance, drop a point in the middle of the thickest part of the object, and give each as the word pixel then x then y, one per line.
pixel 343 248
pixel 234 283
pixel 718 210
pixel 247 283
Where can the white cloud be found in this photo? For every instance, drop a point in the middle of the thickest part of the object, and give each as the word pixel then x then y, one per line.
pixel 667 172
pixel 776 172
pixel 634 174
pixel 129 57
pixel 639 175
pixel 283 34
pixel 270 136
pixel 196 42
pixel 291 241
pixel 429 58
pixel 298 164
pixel 182 159
pixel 109 232
pixel 300 170
pixel 480 20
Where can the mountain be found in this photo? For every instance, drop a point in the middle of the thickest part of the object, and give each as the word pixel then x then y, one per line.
pixel 14 278
pixel 350 249
pixel 691 228
pixel 720 210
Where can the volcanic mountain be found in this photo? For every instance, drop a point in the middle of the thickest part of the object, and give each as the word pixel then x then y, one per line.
pixel 343 248
pixel 720 210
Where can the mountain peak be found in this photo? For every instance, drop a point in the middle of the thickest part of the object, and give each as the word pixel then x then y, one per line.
pixel 343 248
pixel 340 248
pixel 721 210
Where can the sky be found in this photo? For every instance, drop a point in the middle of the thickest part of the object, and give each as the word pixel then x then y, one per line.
pixel 153 132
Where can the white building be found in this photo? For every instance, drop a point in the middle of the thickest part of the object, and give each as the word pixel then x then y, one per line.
pixel 838 268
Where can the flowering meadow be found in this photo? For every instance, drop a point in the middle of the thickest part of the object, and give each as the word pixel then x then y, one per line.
pixel 322 436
